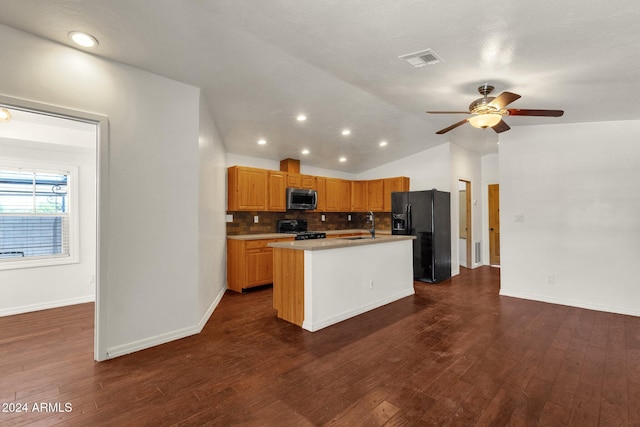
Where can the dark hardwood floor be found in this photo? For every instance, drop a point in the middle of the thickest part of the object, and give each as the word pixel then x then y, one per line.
pixel 454 354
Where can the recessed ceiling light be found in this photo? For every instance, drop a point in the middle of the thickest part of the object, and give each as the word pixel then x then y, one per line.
pixel 5 115
pixel 346 132
pixel 305 151
pixel 343 159
pixel 383 143
pixel 262 141
pixel 83 39
pixel 301 118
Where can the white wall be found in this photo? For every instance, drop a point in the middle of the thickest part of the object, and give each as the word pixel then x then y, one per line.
pixel 427 169
pixel 149 255
pixel 31 289
pixel 212 232
pixel 569 214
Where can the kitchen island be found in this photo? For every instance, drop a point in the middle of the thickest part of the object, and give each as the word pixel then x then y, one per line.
pixel 317 283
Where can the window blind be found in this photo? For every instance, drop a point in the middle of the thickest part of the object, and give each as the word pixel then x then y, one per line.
pixel 34 214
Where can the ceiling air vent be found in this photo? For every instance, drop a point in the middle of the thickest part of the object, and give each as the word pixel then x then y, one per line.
pixel 422 58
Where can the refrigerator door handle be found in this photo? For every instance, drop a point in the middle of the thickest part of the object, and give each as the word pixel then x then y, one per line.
pixel 409 220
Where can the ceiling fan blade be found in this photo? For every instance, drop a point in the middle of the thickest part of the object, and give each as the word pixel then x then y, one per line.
pixel 504 99
pixel 544 113
pixel 445 130
pixel 501 127
pixel 448 112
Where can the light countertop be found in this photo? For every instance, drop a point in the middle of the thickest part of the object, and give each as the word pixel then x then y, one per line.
pixel 319 244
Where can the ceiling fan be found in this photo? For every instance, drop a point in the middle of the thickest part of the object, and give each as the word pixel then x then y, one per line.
pixel 489 110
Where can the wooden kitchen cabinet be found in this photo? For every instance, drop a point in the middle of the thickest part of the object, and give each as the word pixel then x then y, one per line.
pixel 400 183
pixel 250 263
pixel 338 195
pixel 332 194
pixel 253 189
pixel 308 182
pixel 294 180
pixel 321 188
pixel 277 191
pixel 359 195
pixel 247 188
pixel 345 195
pixel 375 195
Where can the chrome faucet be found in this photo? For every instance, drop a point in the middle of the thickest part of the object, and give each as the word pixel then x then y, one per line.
pixel 372 230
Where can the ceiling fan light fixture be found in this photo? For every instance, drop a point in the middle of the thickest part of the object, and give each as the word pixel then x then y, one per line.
pixel 483 121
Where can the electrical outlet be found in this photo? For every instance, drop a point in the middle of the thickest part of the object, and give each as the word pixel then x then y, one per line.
pixel 255 219
pixel 348 217
pixel 229 218
pixel 322 218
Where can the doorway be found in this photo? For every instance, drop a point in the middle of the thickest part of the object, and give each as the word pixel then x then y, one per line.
pixel 60 122
pixel 494 225
pixel 464 218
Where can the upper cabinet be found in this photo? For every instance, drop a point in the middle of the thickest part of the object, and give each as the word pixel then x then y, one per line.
pixel 375 195
pixel 337 195
pixel 308 181
pixel 321 188
pixel 293 180
pixel 253 189
pixel 359 196
pixel 391 185
pixel 345 196
pixel 296 180
pixel 277 191
pixel 247 188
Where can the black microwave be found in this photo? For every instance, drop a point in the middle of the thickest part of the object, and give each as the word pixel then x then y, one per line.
pixel 301 198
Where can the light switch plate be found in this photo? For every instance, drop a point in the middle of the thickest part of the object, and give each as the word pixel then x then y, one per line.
pixel 229 218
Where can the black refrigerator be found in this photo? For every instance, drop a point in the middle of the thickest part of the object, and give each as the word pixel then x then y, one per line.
pixel 426 215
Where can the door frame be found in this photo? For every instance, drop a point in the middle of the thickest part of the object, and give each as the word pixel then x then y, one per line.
pixel 469 215
pixel 102 201
pixel 490 196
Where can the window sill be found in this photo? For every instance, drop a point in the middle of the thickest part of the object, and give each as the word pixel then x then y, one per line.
pixel 38 262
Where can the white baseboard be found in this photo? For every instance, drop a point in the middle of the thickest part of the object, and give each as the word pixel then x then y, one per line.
pixel 571 303
pixel 132 347
pixel 209 312
pixel 46 305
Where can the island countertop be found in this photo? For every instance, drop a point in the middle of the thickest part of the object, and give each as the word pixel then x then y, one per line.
pixel 320 244
pixel 329 233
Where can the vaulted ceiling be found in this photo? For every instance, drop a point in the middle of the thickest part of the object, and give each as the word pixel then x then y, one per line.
pixel 262 63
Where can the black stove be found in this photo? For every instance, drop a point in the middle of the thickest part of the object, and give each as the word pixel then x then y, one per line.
pixel 299 228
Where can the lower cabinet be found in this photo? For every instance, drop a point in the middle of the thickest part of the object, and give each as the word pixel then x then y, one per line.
pixel 250 263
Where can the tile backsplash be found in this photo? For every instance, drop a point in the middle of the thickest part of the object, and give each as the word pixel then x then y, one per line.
pixel 243 221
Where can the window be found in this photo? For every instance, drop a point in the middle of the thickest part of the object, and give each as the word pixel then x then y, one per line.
pixel 37 223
